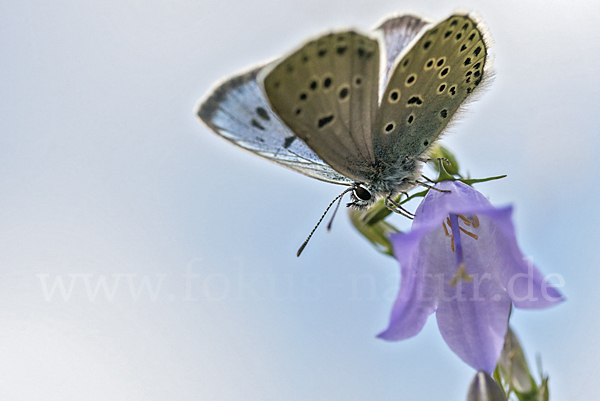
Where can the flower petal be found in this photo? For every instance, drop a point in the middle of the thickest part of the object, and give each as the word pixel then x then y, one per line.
pixel 437 205
pixel 525 284
pixel 416 298
pixel 473 323
pixel 461 258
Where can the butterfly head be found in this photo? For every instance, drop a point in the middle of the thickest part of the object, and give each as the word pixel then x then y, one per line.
pixel 362 196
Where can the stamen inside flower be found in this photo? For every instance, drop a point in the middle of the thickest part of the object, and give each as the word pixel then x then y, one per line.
pixel 447 234
pixel 470 234
pixel 474 220
pixel 456 244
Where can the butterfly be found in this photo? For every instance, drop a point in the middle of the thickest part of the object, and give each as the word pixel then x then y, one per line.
pixel 356 109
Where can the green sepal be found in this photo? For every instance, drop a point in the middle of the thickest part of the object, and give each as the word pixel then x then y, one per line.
pixel 471 181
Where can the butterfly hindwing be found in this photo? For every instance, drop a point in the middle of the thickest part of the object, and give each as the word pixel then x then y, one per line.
pixel 326 92
pixel 238 111
pixel 428 84
pixel 398 33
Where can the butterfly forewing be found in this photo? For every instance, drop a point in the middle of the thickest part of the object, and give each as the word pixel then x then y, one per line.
pixel 238 111
pixel 349 108
pixel 427 86
pixel 326 92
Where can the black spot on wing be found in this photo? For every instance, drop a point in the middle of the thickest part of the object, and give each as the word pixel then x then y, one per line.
pixel 324 121
pixel 343 93
pixel 256 124
pixel 262 113
pixel 288 141
pixel 364 54
pixel 415 100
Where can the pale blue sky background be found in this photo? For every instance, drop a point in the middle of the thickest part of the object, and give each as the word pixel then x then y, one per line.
pixel 106 174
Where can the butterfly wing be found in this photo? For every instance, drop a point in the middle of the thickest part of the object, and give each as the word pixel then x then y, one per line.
pixel 398 33
pixel 429 82
pixel 238 111
pixel 326 92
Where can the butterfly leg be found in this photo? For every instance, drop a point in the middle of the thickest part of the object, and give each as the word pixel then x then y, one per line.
pixel 437 159
pixel 440 160
pixel 397 208
pixel 428 179
pixel 423 184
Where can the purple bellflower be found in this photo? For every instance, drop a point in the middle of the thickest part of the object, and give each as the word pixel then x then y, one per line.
pixel 461 260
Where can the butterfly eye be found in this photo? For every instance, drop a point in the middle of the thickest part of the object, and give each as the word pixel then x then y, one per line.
pixel 362 193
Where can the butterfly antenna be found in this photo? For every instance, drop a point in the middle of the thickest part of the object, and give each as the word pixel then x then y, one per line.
pixel 321 219
pixel 335 212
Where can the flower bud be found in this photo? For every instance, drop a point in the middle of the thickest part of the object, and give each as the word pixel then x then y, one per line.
pixel 513 366
pixel 484 388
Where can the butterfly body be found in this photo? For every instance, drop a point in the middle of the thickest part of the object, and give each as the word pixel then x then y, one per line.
pixel 356 109
pixel 385 180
